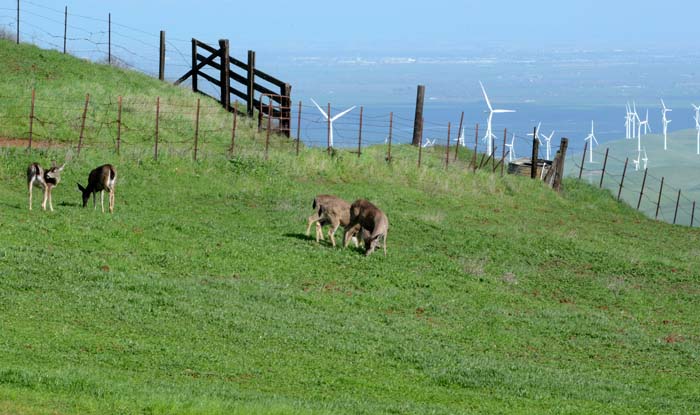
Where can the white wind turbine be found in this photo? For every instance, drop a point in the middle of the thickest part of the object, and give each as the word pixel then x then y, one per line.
pixel 665 121
pixel 536 133
pixel 548 142
pixel 489 137
pixel 645 159
pixel 635 119
pixel 697 124
pixel 330 138
pixel 511 146
pixel 647 127
pixel 628 122
pixel 591 138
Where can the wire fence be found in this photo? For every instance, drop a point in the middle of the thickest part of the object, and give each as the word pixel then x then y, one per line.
pixel 180 128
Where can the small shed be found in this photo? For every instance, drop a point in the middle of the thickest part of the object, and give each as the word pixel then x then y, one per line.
pixel 523 167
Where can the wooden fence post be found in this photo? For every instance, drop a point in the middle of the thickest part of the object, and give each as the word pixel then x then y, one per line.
pixel 605 163
pixel 298 128
pixel 82 124
pixel 224 74
pixel 328 134
pixel 269 127
pixel 194 65
pixel 233 129
pixel 692 215
pixel 31 120
pixel 65 28
pixel 418 120
pixel 641 191
pixel 476 146
pixel 583 160
pixel 250 83
pixel 119 123
pixel 196 131
pixel 161 57
pixel 658 203
pixel 155 146
pixel 622 181
pixel 559 173
pixel 459 132
pixel 109 38
pixel 535 154
pixel 391 128
pixel 447 148
pixel 678 201
pixel 286 110
pixel 359 135
pixel 503 150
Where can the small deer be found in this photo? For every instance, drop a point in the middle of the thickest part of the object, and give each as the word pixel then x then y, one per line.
pixel 46 179
pixel 100 179
pixel 365 216
pixel 329 209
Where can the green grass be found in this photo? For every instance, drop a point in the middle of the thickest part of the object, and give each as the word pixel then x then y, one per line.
pixel 202 295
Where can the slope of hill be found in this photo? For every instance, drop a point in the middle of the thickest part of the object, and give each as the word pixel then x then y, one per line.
pixel 202 295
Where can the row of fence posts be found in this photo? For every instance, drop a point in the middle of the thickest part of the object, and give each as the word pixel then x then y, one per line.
pixel 641 190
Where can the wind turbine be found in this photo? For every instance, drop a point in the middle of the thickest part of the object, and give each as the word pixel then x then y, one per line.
pixel 697 123
pixel 665 121
pixel 330 138
pixel 628 122
pixel 429 143
pixel 645 159
pixel 548 140
pixel 536 133
pixel 647 128
pixel 511 146
pixel 635 119
pixel 592 139
pixel 489 137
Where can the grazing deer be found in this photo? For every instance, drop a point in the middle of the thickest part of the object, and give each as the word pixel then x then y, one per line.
pixel 100 179
pixel 46 179
pixel 366 216
pixel 329 209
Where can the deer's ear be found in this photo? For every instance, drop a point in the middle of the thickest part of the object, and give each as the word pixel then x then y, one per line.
pixel 81 188
pixel 62 166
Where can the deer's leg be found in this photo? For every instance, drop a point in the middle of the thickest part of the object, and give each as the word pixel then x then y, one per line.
pixel 384 241
pixel 102 200
pixel 46 195
pixel 111 200
pixel 48 190
pixel 331 232
pixel 319 232
pixel 94 200
pixel 350 231
pixel 30 194
pixel 312 219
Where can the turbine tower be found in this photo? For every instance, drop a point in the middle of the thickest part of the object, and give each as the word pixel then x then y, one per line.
pixel 697 124
pixel 489 137
pixel 330 138
pixel 591 138
pixel 635 119
pixel 628 122
pixel 511 146
pixel 665 122
pixel 548 141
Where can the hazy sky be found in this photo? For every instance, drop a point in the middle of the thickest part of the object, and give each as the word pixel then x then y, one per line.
pixel 405 26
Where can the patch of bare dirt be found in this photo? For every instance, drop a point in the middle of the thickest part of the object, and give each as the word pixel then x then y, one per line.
pixel 23 142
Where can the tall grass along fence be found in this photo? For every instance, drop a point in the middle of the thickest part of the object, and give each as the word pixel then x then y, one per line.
pixel 202 128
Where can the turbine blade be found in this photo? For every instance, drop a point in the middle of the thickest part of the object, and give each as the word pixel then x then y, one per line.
pixel 502 111
pixel 486 97
pixel 320 109
pixel 343 113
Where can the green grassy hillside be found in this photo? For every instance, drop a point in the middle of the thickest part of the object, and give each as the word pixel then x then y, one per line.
pixel 202 295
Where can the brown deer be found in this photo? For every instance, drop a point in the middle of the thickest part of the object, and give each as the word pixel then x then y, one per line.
pixel 46 179
pixel 329 209
pixel 100 179
pixel 365 216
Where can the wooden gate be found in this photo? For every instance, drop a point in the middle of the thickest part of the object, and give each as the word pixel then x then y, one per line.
pixel 243 80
